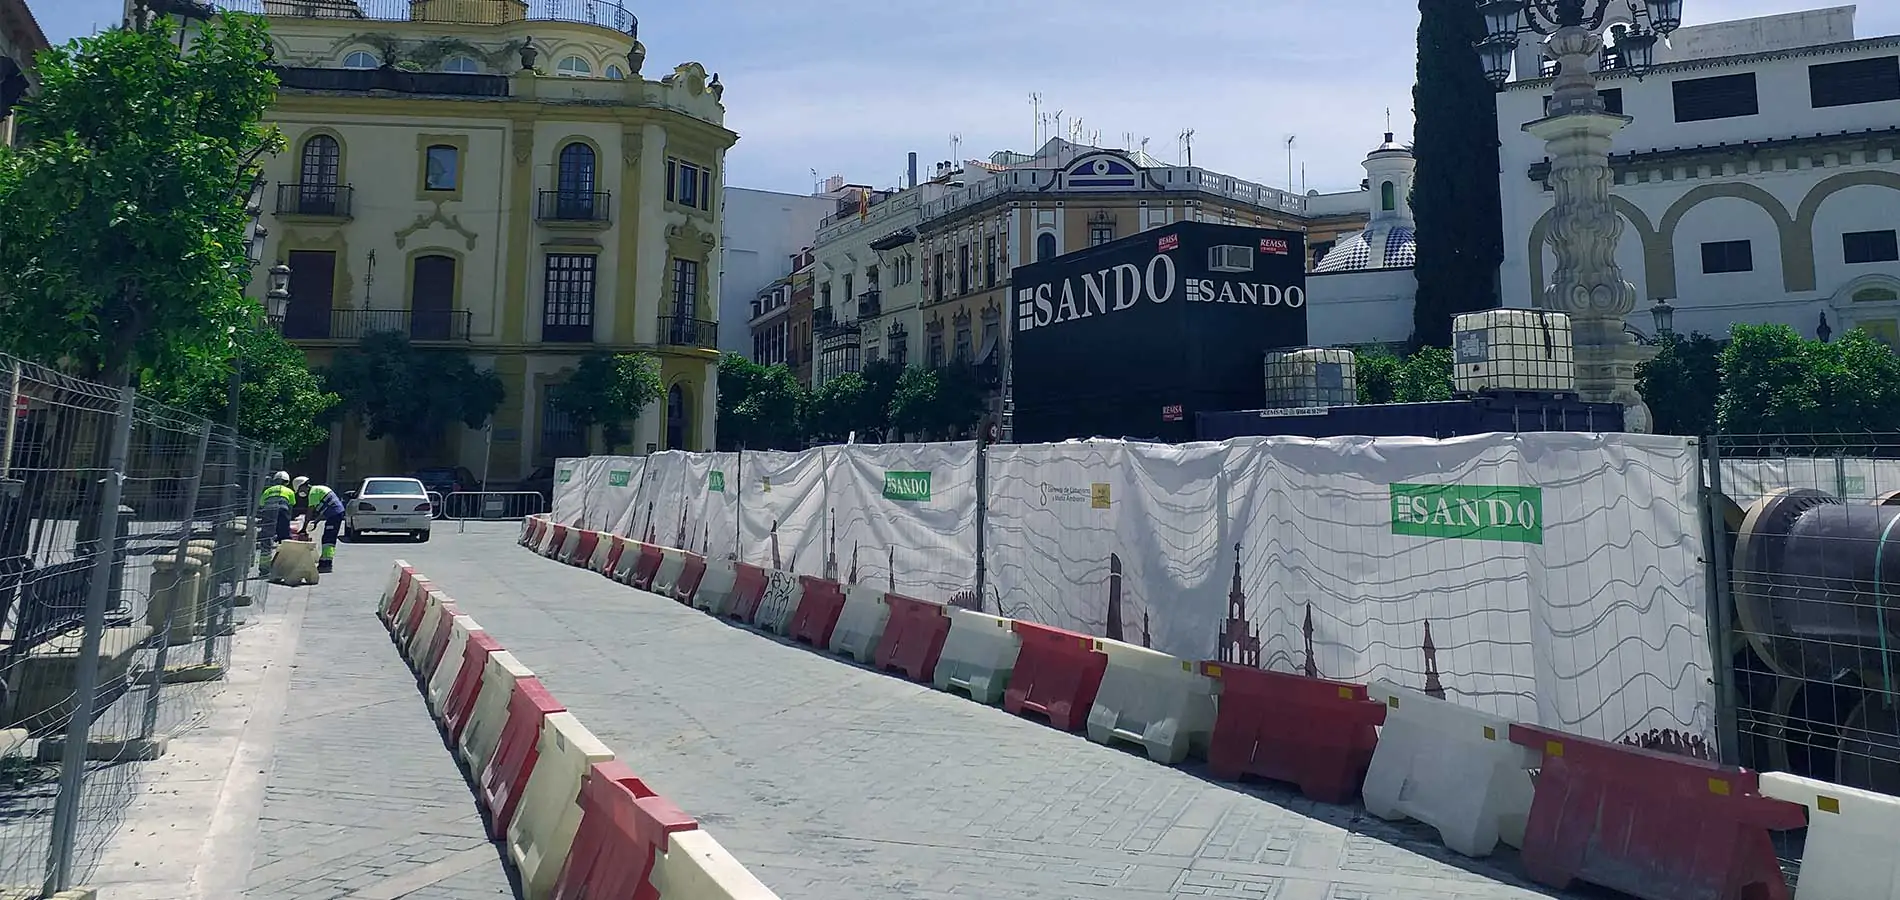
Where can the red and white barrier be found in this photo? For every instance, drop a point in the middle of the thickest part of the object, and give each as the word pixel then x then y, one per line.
pixel 489 715
pixel 717 587
pixel 450 664
pixel 978 656
pixel 1849 852
pixel 543 828
pixel 1450 767
pixel 779 602
pixel 1157 701
pixel 667 576
pixel 693 866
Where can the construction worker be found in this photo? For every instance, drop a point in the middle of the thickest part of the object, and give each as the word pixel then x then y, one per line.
pixel 319 502
pixel 274 507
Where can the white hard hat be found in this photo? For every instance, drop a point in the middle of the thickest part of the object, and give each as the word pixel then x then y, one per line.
pixel 300 482
pixel 281 477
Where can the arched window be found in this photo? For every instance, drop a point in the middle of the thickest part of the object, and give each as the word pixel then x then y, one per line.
pixel 319 169
pixel 574 67
pixel 614 73
pixel 1045 246
pixel 676 424
pixel 1388 197
pixel 462 65
pixel 359 59
pixel 574 181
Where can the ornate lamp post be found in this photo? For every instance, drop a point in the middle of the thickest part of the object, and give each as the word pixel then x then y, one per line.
pixel 1665 318
pixel 1577 131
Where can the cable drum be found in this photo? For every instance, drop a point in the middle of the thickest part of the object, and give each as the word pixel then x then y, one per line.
pixel 1809 596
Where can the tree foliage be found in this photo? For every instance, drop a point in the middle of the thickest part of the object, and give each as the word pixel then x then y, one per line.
pixel 1456 198
pixel 1774 381
pixel 856 402
pixel 411 395
pixel 1417 377
pixel 760 407
pixel 122 221
pixel 609 390
pixel 280 401
pixel 937 404
pixel 1682 384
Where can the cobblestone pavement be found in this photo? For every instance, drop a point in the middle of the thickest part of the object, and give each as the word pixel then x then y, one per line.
pixel 831 782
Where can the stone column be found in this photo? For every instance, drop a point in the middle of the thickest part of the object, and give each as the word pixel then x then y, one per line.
pixel 1587 284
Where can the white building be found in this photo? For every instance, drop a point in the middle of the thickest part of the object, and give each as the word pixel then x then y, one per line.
pixel 1757 180
pixel 1363 288
pixel 763 230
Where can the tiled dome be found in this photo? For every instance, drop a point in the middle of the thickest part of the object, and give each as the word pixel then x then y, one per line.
pixel 1354 254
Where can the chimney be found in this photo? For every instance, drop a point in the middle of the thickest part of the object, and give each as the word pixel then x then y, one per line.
pixel 913 171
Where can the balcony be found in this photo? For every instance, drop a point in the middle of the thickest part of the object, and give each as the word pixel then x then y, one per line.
pixel 599 13
pixel 348 325
pixel 362 81
pixel 870 304
pixel 678 331
pixel 574 208
pixel 822 317
pixel 317 201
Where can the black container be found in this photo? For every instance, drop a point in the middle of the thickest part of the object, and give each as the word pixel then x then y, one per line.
pixel 1485 413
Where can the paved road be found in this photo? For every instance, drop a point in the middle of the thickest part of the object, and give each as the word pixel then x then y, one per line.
pixel 832 782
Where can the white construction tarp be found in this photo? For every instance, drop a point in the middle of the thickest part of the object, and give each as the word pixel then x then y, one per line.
pixel 611 483
pixel 782 510
pixel 570 490
pixel 903 518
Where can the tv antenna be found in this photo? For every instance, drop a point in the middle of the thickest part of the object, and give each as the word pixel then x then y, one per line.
pixel 817 186
pixel 956 145
pixel 1290 139
pixel 1035 105
pixel 1187 146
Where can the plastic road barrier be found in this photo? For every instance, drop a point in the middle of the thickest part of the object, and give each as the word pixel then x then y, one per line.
pixel 482 733
pixel 913 637
pixel 399 612
pixel 717 587
pixel 433 639
pixel 583 552
pixel 467 689
pixel 667 576
pixel 860 625
pixel 1160 702
pixel 418 640
pixel 294 563
pixel 1312 732
pixel 978 656
pixel 507 772
pixel 1450 767
pixel 624 829
pixel 412 616
pixel 449 664
pixel 690 577
pixel 399 576
pixel 748 591
pixel 544 824
pixel 645 567
pixel 1650 824
pixel 527 530
pixel 820 603
pixel 619 563
pixel 604 551
pixel 1058 673
pixel 779 603
pixel 1849 853
pixel 696 867
pixel 557 539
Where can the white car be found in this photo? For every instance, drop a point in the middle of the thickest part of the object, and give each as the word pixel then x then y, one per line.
pixel 394 505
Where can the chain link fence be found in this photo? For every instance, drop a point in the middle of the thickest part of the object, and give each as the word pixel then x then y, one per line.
pixel 126 565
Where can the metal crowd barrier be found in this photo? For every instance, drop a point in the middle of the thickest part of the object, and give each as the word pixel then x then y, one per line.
pixel 492 506
pixel 435 504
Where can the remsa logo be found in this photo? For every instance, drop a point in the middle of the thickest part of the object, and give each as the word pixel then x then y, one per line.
pixel 1274 246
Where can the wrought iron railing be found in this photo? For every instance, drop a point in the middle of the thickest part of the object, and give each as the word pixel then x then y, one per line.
pixel 353 324
pixel 574 206
pixel 678 331
pixel 314 200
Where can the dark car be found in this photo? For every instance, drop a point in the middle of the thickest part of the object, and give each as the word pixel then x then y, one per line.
pixel 540 481
pixel 446 480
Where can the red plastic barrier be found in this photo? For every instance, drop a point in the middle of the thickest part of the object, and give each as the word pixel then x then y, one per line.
pixel 387 609
pixel 438 642
pixel 613 556
pixel 748 591
pixel 690 576
pixel 624 825
pixel 1312 732
pixel 1650 824
pixel 913 638
pixel 584 549
pixel 532 531
pixel 468 684
pixel 520 745
pixel 412 619
pixel 647 566
pixel 820 602
pixel 560 538
pixel 1057 674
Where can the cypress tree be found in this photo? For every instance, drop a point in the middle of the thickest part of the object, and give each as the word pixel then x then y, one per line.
pixel 1456 197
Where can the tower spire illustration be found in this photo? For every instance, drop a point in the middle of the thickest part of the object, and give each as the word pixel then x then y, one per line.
pixel 650 535
pixel 1239 642
pixel 1145 637
pixel 776 565
pixel 1311 670
pixel 1114 630
pixel 853 579
pixel 1433 687
pixel 890 569
pixel 680 540
pixel 831 549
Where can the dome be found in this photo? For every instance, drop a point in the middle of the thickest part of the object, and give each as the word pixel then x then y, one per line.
pixel 1397 248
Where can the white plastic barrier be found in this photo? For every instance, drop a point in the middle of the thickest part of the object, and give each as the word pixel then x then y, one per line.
pixel 695 867
pixel 716 588
pixel 418 642
pixel 571 545
pixel 782 593
pixel 629 559
pixel 294 563
pixel 1152 699
pixel 1851 834
pixel 451 664
pixel 483 732
pixel 547 817
pixel 419 588
pixel 395 578
pixel 978 655
pixel 1450 767
pixel 545 546
pixel 672 563
pixel 861 623
pixel 603 550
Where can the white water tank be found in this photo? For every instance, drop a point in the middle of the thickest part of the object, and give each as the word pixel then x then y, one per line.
pixel 1513 349
pixel 1299 379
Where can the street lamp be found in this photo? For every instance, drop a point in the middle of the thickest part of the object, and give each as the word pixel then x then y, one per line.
pixel 1578 131
pixel 277 299
pixel 1664 316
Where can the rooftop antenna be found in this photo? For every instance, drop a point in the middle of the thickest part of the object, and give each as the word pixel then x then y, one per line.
pixel 956 145
pixel 1144 146
pixel 1388 120
pixel 1187 146
pixel 1289 162
pixel 817 184
pixel 1035 105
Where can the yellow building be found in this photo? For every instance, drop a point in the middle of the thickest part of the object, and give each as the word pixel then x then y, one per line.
pixel 20 41
pixel 501 177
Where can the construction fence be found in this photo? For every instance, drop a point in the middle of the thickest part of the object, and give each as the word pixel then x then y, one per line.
pixel 127 558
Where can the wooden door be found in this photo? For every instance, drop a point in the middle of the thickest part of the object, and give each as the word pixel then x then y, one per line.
pixel 312 290
pixel 432 299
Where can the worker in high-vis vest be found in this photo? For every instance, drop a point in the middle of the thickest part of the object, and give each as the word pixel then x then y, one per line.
pixel 320 503
pixel 274 507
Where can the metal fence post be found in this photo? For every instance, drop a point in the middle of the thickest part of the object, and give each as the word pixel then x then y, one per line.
pixel 982 518
pixel 223 602
pixel 150 722
pixel 1721 620
pixel 59 862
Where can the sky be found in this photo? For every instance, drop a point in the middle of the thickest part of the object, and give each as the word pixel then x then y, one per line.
pixel 848 87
